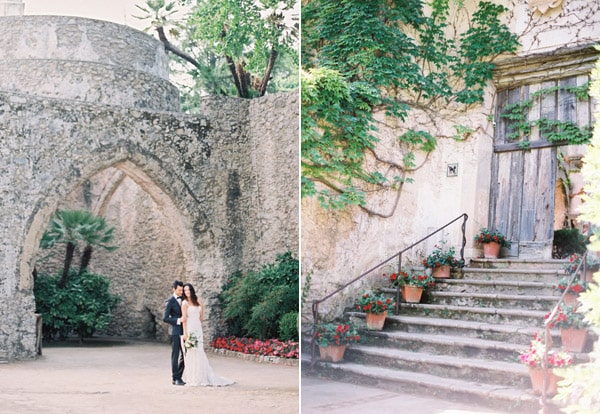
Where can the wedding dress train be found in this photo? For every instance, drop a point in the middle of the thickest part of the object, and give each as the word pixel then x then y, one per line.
pixel 198 371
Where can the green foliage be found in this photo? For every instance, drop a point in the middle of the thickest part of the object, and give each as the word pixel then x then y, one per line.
pixel 551 130
pixel 75 227
pixel 359 57
pixel 566 242
pixel 441 256
pixel 371 302
pixel 305 290
pixel 335 122
pixel 580 390
pixel 336 334
pixel 82 307
pixel 235 47
pixel 255 303
pixel 288 327
pixel 486 235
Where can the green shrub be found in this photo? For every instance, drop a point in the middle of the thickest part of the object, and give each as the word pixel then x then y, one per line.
pixel 83 306
pixel 288 327
pixel 253 304
pixel 566 242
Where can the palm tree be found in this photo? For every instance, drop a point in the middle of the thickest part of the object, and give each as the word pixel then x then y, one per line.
pixel 72 227
pixel 94 233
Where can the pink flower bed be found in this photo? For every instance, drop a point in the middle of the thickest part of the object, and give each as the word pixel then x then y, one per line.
pixel 270 347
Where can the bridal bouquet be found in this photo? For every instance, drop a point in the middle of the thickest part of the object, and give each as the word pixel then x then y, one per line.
pixel 191 342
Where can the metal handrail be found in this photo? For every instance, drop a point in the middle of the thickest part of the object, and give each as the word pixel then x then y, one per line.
pixel 577 273
pixel 315 303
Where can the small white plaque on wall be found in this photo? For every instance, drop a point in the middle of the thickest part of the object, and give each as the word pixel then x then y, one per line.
pixel 452 170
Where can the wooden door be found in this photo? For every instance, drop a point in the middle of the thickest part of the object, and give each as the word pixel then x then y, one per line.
pixel 524 176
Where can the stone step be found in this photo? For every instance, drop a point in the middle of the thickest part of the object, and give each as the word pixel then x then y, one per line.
pixel 464 339
pixel 522 317
pixel 495 300
pixel 3 357
pixel 512 399
pixel 492 372
pixel 520 275
pixel 514 287
pixel 471 329
pixel 511 263
pixel 451 345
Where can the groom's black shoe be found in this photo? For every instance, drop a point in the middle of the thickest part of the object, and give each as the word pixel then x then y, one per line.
pixel 178 382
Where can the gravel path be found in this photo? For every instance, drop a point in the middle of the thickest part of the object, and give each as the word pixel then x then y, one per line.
pixel 134 377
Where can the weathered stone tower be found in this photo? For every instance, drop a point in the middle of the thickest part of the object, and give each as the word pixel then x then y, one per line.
pixel 89 119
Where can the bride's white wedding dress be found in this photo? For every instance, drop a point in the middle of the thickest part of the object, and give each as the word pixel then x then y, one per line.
pixel 198 371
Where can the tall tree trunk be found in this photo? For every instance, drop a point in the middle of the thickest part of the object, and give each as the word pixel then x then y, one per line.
pixel 86 257
pixel 67 266
pixel 265 80
pixel 234 74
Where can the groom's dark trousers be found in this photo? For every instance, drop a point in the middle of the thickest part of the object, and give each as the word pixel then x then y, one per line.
pixel 172 313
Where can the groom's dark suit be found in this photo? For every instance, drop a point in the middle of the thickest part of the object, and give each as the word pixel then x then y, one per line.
pixel 172 313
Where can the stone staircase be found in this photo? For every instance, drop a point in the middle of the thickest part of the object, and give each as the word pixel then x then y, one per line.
pixel 3 357
pixel 464 343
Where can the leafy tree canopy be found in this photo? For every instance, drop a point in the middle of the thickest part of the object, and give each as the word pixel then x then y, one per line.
pixel 234 47
pixel 391 56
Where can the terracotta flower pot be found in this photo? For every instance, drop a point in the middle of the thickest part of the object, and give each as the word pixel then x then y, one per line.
pixel 441 272
pixel 536 375
pixel 491 250
pixel 573 339
pixel 333 353
pixel 375 321
pixel 589 275
pixel 412 294
pixel 571 299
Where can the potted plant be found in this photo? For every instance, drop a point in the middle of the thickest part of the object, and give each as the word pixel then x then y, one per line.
pixel 573 332
pixel 533 359
pixel 440 261
pixel 333 338
pixel 375 307
pixel 574 290
pixel 413 285
pixel 492 241
pixel 396 278
pixel 592 265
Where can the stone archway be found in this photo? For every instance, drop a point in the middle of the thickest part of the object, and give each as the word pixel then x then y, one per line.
pixel 155 246
pixel 85 99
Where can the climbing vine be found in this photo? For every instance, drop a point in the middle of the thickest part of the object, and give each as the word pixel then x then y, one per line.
pixel 362 58
pixel 552 130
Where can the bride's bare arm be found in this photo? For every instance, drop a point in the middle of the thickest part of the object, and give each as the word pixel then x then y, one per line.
pixel 184 310
pixel 201 309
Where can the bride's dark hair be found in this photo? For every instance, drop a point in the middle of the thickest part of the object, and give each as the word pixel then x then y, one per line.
pixel 193 299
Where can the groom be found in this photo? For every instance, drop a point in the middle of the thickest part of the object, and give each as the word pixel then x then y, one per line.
pixel 173 317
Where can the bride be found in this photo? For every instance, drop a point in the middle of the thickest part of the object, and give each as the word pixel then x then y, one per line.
pixel 197 369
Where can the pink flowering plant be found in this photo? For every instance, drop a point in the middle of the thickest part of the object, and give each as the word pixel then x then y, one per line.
pixel 337 334
pixel 567 317
pixel 575 259
pixel 576 287
pixel 533 356
pixel 251 346
pixel 418 279
pixel 486 235
pixel 396 278
pixel 371 302
pixel 441 257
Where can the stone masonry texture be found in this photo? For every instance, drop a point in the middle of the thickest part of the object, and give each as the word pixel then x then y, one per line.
pixel 193 197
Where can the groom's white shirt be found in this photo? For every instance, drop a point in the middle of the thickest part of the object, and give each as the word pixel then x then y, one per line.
pixel 178 299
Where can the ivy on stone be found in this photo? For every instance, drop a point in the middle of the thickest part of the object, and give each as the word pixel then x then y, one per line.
pixel 359 58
